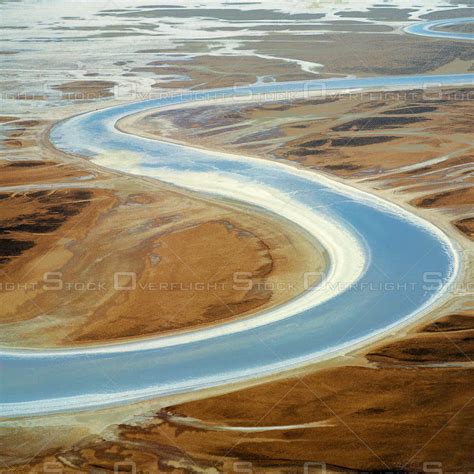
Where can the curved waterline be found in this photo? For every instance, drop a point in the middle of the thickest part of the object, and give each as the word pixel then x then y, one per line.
pixel 397 248
pixel 429 28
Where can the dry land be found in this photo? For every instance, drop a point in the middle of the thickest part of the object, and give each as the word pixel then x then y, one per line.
pixel 88 256
pixel 393 406
pixel 67 224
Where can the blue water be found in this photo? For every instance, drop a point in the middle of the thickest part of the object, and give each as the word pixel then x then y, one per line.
pixel 430 29
pixel 399 252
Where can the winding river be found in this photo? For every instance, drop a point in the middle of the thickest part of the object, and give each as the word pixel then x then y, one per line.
pixel 387 266
pixel 432 29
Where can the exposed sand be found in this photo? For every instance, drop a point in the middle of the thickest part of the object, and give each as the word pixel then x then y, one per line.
pixel 349 402
pixel 394 405
pixel 51 274
pixel 316 134
pixel 224 71
pixel 382 390
pixel 85 90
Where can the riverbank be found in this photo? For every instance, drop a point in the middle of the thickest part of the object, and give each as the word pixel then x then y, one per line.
pixel 402 403
pixel 413 367
pixel 153 275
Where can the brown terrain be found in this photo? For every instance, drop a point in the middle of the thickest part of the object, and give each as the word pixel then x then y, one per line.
pixel 391 407
pixel 223 71
pixel 397 141
pixel 85 90
pixel 338 53
pixel 151 258
pixel 390 53
pixel 401 403
pixel 466 28
pixel 394 406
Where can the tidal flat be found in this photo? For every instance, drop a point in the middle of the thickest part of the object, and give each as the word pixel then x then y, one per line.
pixel 69 227
pixel 355 131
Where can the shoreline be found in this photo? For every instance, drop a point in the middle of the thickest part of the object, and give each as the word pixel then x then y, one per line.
pixel 356 345
pixel 289 248
pixel 459 241
pixel 454 239
pixel 378 378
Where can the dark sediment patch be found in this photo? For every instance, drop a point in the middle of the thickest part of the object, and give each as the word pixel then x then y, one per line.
pixel 376 123
pixel 361 141
pixel 453 322
pixel 307 148
pixel 42 223
pixel 448 14
pixel 371 411
pixel 63 195
pixel 85 90
pixel 418 109
pixel 327 100
pixel 462 196
pixel 11 143
pixel 379 14
pixel 276 107
pixel 314 143
pixel 462 28
pixel 229 14
pixel 268 134
pixel 13 248
pixel 423 349
pixel 7 118
pixel 466 226
pixel 28 123
pixel 67 210
pixel 53 209
pixel 301 125
pixel 341 167
pixel 305 152
pixel 226 129
pixel 37 226
pixel 25 164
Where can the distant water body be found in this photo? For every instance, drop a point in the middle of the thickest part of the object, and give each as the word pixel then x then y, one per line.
pixel 432 29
